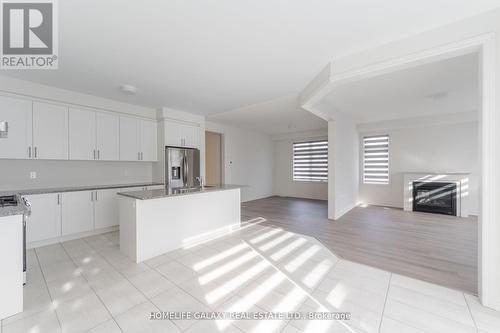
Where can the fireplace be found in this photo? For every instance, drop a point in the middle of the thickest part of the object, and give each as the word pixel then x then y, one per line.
pixel 435 197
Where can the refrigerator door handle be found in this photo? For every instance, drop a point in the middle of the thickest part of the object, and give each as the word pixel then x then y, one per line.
pixel 184 169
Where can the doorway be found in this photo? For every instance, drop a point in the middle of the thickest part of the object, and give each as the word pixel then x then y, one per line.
pixel 213 158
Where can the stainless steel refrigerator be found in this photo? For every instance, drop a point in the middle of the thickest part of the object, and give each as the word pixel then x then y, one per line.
pixel 182 166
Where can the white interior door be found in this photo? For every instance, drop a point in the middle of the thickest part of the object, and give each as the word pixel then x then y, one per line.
pixel 50 131
pixel 82 134
pixel 18 115
pixel 149 140
pixel 130 139
pixel 108 136
pixel 45 219
pixel 77 212
pixel 106 208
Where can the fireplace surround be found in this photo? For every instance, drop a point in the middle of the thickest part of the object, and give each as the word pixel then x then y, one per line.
pixel 460 179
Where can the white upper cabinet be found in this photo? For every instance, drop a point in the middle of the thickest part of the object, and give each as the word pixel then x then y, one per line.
pixel 138 139
pixel 93 135
pixel 173 134
pixel 39 130
pixel 50 131
pixel 18 115
pixel 181 135
pixel 190 135
pixel 108 136
pixel 82 134
pixel 149 140
pixel 130 139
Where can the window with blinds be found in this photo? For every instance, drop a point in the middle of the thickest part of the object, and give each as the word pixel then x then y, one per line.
pixel 310 161
pixel 376 159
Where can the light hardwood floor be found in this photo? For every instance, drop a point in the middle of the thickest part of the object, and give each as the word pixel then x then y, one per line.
pixel 435 248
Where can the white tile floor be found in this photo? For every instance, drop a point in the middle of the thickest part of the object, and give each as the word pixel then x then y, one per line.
pixel 88 285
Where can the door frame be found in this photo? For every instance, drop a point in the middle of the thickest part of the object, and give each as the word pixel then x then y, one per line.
pixel 222 158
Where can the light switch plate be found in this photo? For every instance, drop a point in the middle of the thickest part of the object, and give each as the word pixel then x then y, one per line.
pixel 33 174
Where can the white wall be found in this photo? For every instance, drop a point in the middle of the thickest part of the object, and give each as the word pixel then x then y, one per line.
pixel 487 23
pixel 343 166
pixel 248 160
pixel 44 92
pixel 438 148
pixel 284 185
pixel 14 174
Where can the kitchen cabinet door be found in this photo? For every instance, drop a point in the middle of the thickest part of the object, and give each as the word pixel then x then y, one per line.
pixel 50 131
pixel 82 134
pixel 149 140
pixel 45 219
pixel 106 208
pixel 108 136
pixel 18 115
pixel 77 212
pixel 190 135
pixel 130 139
pixel 173 134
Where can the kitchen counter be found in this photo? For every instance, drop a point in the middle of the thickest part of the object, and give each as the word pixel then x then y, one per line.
pixel 74 188
pixel 155 222
pixel 163 193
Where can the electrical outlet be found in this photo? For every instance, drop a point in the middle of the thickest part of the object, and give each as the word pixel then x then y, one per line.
pixel 33 174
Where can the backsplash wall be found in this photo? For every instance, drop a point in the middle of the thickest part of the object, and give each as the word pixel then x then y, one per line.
pixel 15 174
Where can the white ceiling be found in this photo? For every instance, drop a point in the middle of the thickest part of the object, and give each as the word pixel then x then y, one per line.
pixel 217 55
pixel 279 116
pixel 443 87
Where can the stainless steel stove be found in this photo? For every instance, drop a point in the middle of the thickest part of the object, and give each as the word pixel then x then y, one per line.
pixel 12 201
pixel 8 200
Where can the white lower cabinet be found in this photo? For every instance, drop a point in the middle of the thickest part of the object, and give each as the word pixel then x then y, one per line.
pixel 77 212
pixel 55 215
pixel 45 220
pixel 106 208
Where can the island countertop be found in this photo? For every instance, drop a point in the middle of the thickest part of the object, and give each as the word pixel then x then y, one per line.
pixel 169 192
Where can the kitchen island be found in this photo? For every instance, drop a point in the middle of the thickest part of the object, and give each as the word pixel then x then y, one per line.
pixel 155 222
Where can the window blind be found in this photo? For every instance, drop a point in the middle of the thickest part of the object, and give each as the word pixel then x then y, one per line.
pixel 310 161
pixel 376 159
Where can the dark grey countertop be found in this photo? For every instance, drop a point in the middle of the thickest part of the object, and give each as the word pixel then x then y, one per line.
pixel 21 208
pixel 74 188
pixel 164 193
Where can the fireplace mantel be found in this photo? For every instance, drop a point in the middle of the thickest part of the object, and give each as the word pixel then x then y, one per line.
pixel 460 178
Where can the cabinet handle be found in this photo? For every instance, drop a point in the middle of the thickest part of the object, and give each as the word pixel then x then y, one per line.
pixel 96 196
pixel 29 151
pixel 98 154
pixel 58 199
pixel 36 152
pixel 92 196
pixel 94 153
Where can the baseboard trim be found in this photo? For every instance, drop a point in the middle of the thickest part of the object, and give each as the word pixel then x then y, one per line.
pixel 344 211
pixel 70 237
